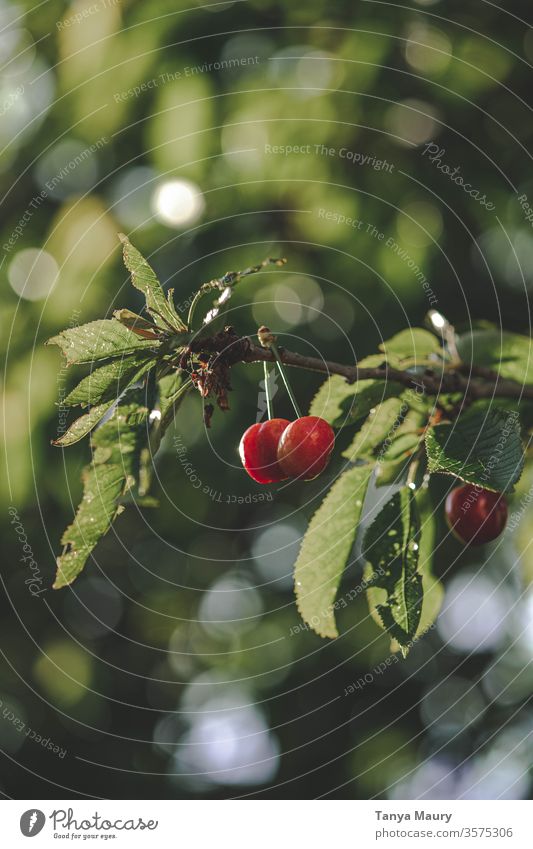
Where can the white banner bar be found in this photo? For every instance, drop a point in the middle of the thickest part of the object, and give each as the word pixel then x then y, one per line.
pixel 236 824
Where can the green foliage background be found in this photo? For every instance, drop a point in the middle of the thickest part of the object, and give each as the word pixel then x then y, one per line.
pixel 117 670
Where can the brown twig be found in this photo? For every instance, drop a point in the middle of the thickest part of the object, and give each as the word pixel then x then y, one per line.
pixel 432 382
pixel 470 382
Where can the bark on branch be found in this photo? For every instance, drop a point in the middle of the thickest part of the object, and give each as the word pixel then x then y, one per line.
pixel 469 381
pixel 227 348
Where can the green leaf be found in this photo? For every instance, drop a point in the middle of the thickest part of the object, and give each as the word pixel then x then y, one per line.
pixel 342 403
pixel 326 548
pixel 402 441
pixel 120 440
pixel 407 436
pixel 414 344
pixel 519 524
pixel 99 340
pixel 401 446
pixel 380 425
pixel 140 326
pixel 116 446
pixel 431 586
pixel 107 382
pixel 481 448
pixel 390 471
pixel 508 354
pixel 392 431
pixel 144 278
pixel 169 388
pixel 102 487
pixel 415 419
pixel 70 564
pixel 82 426
pixel 391 547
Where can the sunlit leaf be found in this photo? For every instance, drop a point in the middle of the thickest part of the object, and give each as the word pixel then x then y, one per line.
pixel 83 425
pixel 122 437
pixel 380 425
pixel 99 340
pixel 102 487
pixel 432 588
pixel 341 403
pixel 107 382
pixel 139 325
pixel 413 344
pixel 144 278
pixel 508 354
pixel 390 471
pixel 116 446
pixel 401 445
pixel 326 548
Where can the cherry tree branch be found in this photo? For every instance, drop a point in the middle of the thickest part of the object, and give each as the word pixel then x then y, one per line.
pixel 226 349
pixel 470 381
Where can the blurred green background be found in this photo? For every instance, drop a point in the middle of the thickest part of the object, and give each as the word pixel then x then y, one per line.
pixel 174 667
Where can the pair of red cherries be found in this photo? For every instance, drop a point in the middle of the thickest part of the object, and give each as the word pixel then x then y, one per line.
pixel 278 449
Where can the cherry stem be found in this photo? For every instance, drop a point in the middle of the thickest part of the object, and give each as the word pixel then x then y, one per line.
pixel 411 474
pixel 285 379
pixel 415 466
pixel 270 407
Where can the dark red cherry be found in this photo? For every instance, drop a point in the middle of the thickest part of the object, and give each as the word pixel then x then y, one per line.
pixel 305 446
pixel 475 515
pixel 258 450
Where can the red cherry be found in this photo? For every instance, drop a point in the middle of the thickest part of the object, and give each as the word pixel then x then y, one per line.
pixel 258 450
pixel 475 515
pixel 305 447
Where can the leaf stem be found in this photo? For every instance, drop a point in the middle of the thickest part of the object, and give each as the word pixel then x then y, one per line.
pixel 416 467
pixel 411 474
